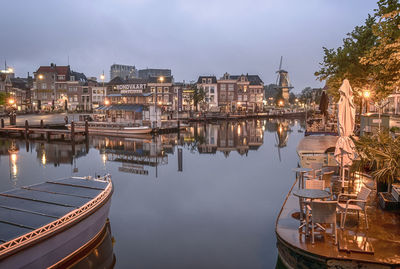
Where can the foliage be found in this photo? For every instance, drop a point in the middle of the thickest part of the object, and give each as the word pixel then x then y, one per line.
pixel 343 62
pixel 3 98
pixel 310 94
pixel 198 96
pixel 381 152
pixel 384 57
pixel 369 56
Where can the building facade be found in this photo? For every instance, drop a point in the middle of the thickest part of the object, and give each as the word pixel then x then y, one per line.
pixel 153 72
pixel 60 88
pixel 240 93
pixel 162 91
pixel 209 85
pixel 123 71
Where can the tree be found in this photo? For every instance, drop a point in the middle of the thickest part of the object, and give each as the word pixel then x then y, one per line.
pixel 344 62
pixel 384 57
pixel 369 56
pixel 198 96
pixel 3 98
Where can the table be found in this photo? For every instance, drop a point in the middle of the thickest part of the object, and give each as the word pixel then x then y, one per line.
pixel 309 194
pixel 301 171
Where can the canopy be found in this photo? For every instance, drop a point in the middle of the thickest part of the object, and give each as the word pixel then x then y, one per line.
pixel 345 149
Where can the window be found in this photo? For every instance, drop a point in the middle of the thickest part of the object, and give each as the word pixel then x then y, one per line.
pixel 239 97
pixel 230 87
pixel 211 89
pixel 223 96
pixel 230 96
pixel 245 89
pixel 153 89
pixel 61 77
pixel 223 87
pixel 72 78
pixel 44 86
pixel 204 80
pixel 166 89
pixel 209 81
pixel 75 98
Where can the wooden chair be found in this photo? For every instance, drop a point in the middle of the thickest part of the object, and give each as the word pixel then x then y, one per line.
pixel 323 212
pixel 315 184
pixel 358 204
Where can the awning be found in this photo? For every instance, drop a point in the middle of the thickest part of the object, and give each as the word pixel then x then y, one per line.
pixel 124 107
pixel 129 94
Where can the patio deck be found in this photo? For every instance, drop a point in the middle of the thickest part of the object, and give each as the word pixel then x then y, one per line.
pixel 377 247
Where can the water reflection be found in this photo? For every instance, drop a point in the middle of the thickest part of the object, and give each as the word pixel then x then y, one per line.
pixel 220 184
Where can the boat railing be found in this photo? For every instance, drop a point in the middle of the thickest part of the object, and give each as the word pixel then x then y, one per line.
pixel 10 246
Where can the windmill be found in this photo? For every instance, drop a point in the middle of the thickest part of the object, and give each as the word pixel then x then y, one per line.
pixel 284 83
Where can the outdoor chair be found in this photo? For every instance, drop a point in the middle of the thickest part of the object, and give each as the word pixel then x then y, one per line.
pixel 358 204
pixel 327 179
pixel 315 172
pixel 323 212
pixel 315 184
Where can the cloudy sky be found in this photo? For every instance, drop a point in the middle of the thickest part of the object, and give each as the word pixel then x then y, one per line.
pixel 190 37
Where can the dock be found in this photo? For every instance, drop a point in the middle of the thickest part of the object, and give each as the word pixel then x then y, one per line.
pixel 47 133
pixel 358 247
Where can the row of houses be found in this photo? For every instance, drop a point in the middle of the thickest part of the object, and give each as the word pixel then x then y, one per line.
pixel 54 88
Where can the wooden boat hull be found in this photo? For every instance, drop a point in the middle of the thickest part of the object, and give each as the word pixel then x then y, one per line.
pixel 49 244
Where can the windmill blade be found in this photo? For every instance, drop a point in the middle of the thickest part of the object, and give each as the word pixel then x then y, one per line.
pixel 280 64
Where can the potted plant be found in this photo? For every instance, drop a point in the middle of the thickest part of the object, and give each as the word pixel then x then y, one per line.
pixel 381 152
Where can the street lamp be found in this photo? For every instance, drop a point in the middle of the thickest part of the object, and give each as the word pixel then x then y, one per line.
pixel 40 76
pixel 11 101
pixel 280 102
pixel 366 95
pixel 106 102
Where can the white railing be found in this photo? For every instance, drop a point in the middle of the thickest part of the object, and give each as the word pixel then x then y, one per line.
pixel 59 223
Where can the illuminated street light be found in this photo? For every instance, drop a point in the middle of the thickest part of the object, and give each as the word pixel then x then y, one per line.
pixel 10 70
pixel 40 76
pixel 161 79
pixel 106 102
pixel 280 102
pixel 102 77
pixel 11 101
pixel 366 94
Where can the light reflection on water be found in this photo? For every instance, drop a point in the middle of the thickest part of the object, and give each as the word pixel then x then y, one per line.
pixel 219 211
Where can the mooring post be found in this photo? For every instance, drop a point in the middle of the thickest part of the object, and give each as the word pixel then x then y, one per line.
pixel 41 124
pixel 26 129
pixel 86 129
pixel 2 123
pixel 72 130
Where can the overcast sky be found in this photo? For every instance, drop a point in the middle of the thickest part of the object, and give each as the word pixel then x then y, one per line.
pixel 190 37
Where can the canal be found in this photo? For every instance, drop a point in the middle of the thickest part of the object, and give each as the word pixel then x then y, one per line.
pixel 207 198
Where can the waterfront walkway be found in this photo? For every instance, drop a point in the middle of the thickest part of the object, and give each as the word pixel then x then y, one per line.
pixel 357 248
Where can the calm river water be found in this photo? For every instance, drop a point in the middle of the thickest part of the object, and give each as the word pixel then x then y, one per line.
pixel 216 208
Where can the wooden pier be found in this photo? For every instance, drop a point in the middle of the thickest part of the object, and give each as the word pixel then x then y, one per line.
pixel 50 134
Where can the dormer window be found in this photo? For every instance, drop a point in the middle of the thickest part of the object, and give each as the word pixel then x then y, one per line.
pixel 60 77
pixel 209 81
pixel 242 78
pixel 204 80
pixel 72 78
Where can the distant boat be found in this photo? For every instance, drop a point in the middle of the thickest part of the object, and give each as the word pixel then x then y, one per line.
pixel 46 224
pixel 113 129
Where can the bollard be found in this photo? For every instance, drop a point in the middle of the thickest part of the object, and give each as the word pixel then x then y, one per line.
pixel 86 129
pixel 72 130
pixel 41 124
pixel 26 129
pixel 2 123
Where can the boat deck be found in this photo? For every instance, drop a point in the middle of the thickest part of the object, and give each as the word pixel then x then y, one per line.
pixel 357 246
pixel 28 208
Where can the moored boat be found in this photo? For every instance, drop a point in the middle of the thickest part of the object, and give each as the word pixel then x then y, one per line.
pixel 317 149
pixel 113 129
pixel 43 224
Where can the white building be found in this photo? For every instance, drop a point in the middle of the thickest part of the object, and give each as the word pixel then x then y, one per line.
pixel 209 85
pixel 99 94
